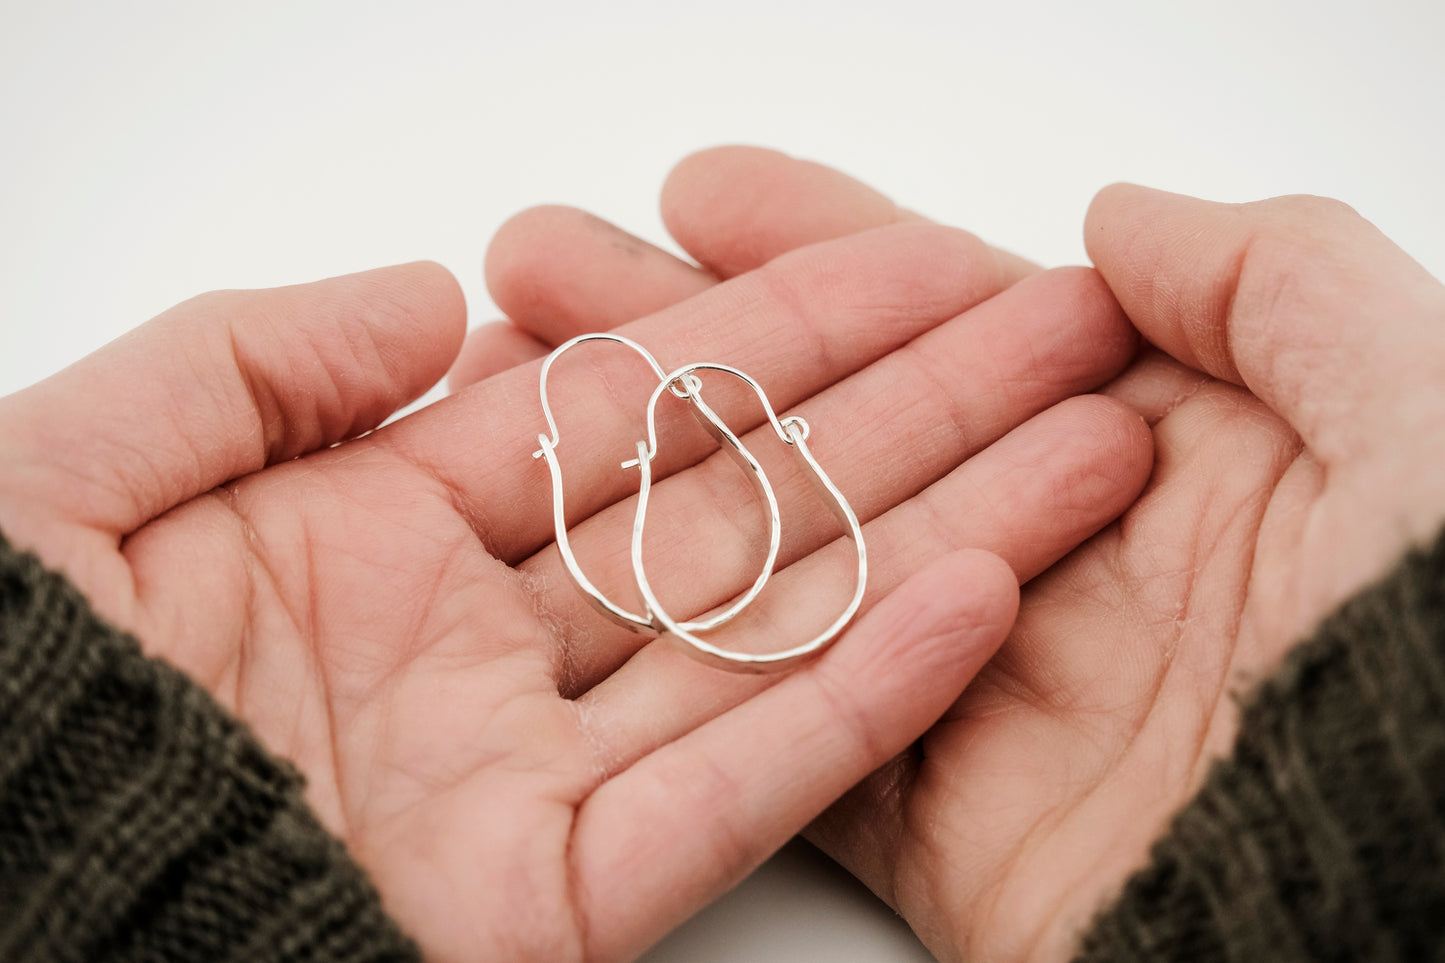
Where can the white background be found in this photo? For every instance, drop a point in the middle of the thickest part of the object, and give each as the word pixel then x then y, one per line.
pixel 151 150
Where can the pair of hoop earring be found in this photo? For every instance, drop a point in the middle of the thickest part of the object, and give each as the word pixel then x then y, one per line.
pixel 684 383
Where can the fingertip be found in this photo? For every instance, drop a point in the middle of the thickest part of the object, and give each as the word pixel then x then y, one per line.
pixel 1110 193
pixel 1133 427
pixel 534 245
pixel 416 316
pixel 387 333
pixel 722 156
pixel 735 208
pixel 1122 211
pixel 946 620
pixel 559 271
pixel 705 174
pixel 1119 195
pixel 513 250
pixel 1083 300
pixel 1069 326
pixel 427 283
pixel 405 296
pixel 707 205
pixel 992 590
pixel 1119 431
pixel 1101 211
pixel 433 276
pixel 440 297
pixel 971 578
pixel 1110 450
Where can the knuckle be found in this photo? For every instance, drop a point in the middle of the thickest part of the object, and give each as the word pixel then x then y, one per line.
pixel 1309 209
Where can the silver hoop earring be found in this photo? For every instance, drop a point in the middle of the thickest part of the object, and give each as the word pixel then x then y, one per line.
pixel 689 389
pixel 793 432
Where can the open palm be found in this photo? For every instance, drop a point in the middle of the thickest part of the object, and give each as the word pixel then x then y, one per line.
pixel 522 778
pixel 1276 492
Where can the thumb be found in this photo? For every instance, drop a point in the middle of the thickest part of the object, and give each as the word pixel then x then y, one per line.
pixel 1299 299
pixel 221 386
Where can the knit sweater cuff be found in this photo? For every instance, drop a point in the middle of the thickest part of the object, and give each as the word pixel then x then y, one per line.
pixel 139 821
pixel 1323 835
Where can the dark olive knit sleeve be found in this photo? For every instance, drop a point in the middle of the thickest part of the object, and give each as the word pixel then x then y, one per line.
pixel 1323 836
pixel 138 821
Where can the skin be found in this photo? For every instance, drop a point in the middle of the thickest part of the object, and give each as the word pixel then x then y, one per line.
pixel 1296 395
pixel 522 779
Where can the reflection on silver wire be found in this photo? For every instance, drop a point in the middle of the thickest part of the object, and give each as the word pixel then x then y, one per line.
pixel 688 388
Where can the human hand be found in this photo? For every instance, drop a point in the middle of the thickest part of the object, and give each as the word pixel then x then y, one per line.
pixel 389 612
pixel 1295 416
pixel 1294 403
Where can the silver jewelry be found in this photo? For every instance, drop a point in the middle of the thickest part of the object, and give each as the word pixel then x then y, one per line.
pixel 725 437
pixel 684 383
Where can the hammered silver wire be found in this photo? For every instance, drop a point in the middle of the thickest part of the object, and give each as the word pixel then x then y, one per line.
pixel 688 388
pixel 794 432
pixel 684 383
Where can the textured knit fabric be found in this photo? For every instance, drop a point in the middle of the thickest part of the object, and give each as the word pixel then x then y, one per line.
pixel 138 821
pixel 1323 836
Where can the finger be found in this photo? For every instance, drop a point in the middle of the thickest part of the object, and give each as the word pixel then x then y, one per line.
pixel 1155 384
pixel 691 819
pixel 558 272
pixel 803 322
pixel 925 409
pixel 736 208
pixel 1078 466
pixel 491 349
pixel 223 385
pixel 1299 299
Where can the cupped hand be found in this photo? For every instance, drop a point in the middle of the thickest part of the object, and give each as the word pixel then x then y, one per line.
pixel 1296 400
pixel 523 779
